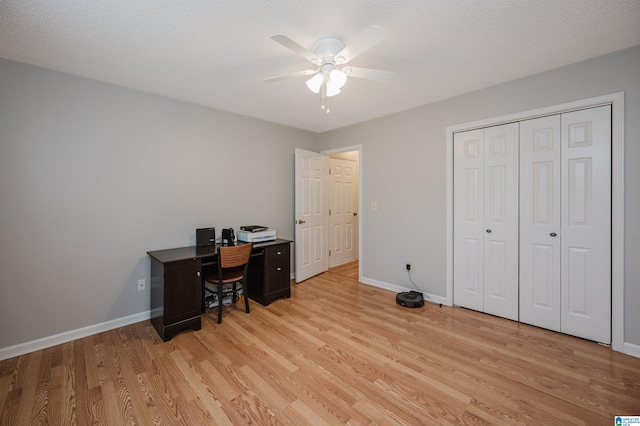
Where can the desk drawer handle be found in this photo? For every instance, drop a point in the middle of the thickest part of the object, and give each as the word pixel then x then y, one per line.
pixel 278 269
pixel 278 252
pixel 198 273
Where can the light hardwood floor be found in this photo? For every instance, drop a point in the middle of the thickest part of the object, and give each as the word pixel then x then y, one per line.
pixel 337 352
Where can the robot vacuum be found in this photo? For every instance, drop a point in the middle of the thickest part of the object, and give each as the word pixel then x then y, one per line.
pixel 410 299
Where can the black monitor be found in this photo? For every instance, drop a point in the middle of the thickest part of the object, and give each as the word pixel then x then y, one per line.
pixel 205 236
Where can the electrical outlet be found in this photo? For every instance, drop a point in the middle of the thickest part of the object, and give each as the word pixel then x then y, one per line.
pixel 408 266
pixel 142 284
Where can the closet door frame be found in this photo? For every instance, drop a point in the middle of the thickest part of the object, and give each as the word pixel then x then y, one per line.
pixel 616 100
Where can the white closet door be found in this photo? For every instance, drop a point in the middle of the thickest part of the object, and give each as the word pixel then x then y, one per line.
pixel 586 224
pixel 501 221
pixel 565 223
pixel 468 233
pixel 540 222
pixel 486 220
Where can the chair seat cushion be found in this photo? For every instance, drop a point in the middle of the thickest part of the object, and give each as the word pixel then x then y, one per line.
pixel 228 275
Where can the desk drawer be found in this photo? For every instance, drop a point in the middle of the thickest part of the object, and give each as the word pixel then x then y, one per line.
pixel 278 273
pixel 278 254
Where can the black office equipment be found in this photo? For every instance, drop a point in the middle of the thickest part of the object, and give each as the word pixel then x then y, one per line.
pixel 205 236
pixel 228 237
pixel 253 228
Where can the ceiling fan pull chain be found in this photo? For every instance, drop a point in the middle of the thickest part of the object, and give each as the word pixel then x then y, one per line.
pixel 325 99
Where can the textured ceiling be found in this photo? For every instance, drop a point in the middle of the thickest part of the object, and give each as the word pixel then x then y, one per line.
pixel 218 52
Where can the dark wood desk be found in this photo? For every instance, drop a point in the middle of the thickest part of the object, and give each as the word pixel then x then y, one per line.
pixel 177 287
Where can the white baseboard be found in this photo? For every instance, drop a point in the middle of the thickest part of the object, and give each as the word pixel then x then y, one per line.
pixel 398 289
pixel 67 336
pixel 631 349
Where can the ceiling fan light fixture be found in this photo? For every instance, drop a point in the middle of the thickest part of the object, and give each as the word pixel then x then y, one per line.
pixel 332 90
pixel 315 83
pixel 328 54
pixel 338 78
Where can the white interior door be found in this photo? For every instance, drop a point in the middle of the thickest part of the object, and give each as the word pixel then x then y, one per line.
pixel 501 221
pixel 343 220
pixel 540 222
pixel 586 224
pixel 310 214
pixel 468 212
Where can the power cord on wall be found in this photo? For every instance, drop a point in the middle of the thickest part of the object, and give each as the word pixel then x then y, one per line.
pixel 421 292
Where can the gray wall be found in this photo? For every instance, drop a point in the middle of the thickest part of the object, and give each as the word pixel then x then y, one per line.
pixel 92 176
pixel 404 170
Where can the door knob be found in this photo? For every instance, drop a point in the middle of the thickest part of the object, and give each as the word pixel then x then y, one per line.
pixel 553 234
pixel 301 222
pixel 355 214
pixel 488 231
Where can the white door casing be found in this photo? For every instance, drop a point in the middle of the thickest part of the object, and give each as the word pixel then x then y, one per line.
pixel 586 224
pixel 540 222
pixel 343 220
pixel 310 214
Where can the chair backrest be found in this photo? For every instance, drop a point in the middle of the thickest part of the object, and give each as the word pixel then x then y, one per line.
pixel 234 256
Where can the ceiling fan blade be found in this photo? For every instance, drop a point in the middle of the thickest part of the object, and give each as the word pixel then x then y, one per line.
pixel 368 73
pixel 364 41
pixel 292 45
pixel 290 75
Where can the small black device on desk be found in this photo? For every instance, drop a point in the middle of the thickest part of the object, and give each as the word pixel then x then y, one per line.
pixel 205 236
pixel 228 237
pixel 254 228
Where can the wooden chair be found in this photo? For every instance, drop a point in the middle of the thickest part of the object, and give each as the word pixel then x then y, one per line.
pixel 233 264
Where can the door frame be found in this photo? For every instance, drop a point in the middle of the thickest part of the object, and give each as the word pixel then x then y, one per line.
pixel 360 211
pixel 616 100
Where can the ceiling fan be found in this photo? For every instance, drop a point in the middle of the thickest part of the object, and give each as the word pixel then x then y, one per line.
pixel 330 55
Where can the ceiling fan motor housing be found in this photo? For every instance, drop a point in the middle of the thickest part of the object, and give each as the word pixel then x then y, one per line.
pixel 327 48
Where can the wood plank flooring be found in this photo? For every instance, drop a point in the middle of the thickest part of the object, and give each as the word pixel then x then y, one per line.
pixel 337 352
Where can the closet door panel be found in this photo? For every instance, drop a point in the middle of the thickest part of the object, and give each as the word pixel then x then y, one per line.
pixel 586 219
pixel 468 219
pixel 540 222
pixel 501 221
